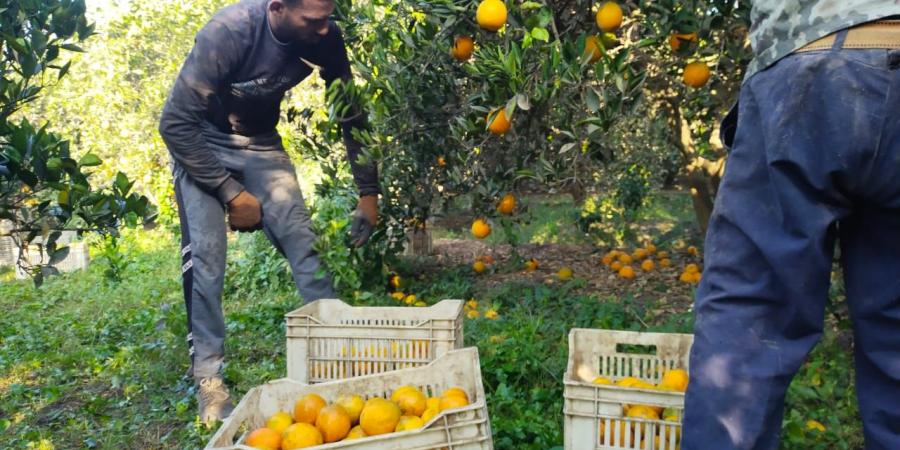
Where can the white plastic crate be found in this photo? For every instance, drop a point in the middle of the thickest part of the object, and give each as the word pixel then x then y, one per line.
pixel 614 355
pixel 78 258
pixel 466 428
pixel 331 340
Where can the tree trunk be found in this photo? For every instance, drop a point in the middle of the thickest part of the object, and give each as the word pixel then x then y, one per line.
pixel 703 175
pixel 419 242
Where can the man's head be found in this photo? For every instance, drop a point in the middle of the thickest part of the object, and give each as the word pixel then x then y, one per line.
pixel 300 20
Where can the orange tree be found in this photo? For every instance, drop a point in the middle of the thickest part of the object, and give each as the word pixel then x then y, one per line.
pixel 44 187
pixel 576 95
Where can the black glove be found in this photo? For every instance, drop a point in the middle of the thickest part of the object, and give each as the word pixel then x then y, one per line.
pixel 360 229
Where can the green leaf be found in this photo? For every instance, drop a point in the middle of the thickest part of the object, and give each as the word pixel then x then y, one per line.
pixel 592 100
pixel 90 160
pixel 540 34
pixel 59 255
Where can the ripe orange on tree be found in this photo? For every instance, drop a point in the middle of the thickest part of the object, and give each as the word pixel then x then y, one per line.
pixel 480 229
pixel 676 40
pixel 462 48
pixel 609 16
pixel 507 204
pixel 491 14
pixel 593 47
pixel 696 74
pixel 497 121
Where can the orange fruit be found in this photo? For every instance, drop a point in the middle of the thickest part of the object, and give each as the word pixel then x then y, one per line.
pixel 420 304
pixel 409 300
pixel 593 47
pixel 564 273
pixel 480 229
pixel 607 259
pixel 462 49
pixel 396 281
pixel 642 412
pixel 478 267
pixel 433 403
pixel 488 259
pixel 307 408
pixel 351 403
pixel 609 16
pixel 686 277
pixel 279 421
pixel 692 250
pixel 665 262
pixel 491 14
pixel 695 277
pixel 300 435
pixel 675 379
pixel 453 401
pixel 691 268
pixel 264 438
pixel 602 380
pixel 615 437
pixel 410 400
pixel 472 314
pixel 355 433
pixel 491 314
pixel 651 249
pixel 507 204
pixel 627 273
pixel 399 296
pixel 407 423
pixel 647 265
pixel 456 391
pixel 379 416
pixel 498 123
pixel 531 265
pixel 662 254
pixel 696 74
pixel 616 266
pixel 441 162
pixel 676 39
pixel 333 422
pixel 625 259
pixel 429 414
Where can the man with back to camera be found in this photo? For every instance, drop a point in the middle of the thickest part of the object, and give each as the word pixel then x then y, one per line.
pixel 219 126
pixel 815 159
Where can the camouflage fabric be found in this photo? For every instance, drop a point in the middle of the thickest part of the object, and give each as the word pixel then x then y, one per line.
pixel 782 26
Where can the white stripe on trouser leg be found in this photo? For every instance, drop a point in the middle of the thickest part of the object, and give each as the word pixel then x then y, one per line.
pixel 185 249
pixel 187 266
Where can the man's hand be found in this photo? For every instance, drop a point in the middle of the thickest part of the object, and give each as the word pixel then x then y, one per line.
pixel 364 219
pixel 244 212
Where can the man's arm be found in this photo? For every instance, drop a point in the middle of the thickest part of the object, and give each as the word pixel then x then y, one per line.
pixel 204 73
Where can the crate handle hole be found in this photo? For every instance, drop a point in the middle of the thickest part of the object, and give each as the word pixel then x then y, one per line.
pixel 636 349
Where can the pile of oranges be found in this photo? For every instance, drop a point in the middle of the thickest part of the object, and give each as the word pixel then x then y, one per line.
pixel 623 432
pixel 648 259
pixel 315 422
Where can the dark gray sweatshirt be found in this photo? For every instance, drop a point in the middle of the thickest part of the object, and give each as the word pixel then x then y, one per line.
pixel 229 93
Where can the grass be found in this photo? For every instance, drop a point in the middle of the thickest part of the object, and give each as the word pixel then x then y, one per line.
pixel 87 363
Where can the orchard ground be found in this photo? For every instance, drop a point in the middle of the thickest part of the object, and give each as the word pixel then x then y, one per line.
pixel 92 363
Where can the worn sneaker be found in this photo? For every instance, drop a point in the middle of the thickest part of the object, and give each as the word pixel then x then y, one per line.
pixel 214 400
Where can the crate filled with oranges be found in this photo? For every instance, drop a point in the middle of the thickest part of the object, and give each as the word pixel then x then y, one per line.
pixel 331 340
pixel 437 406
pixel 625 390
